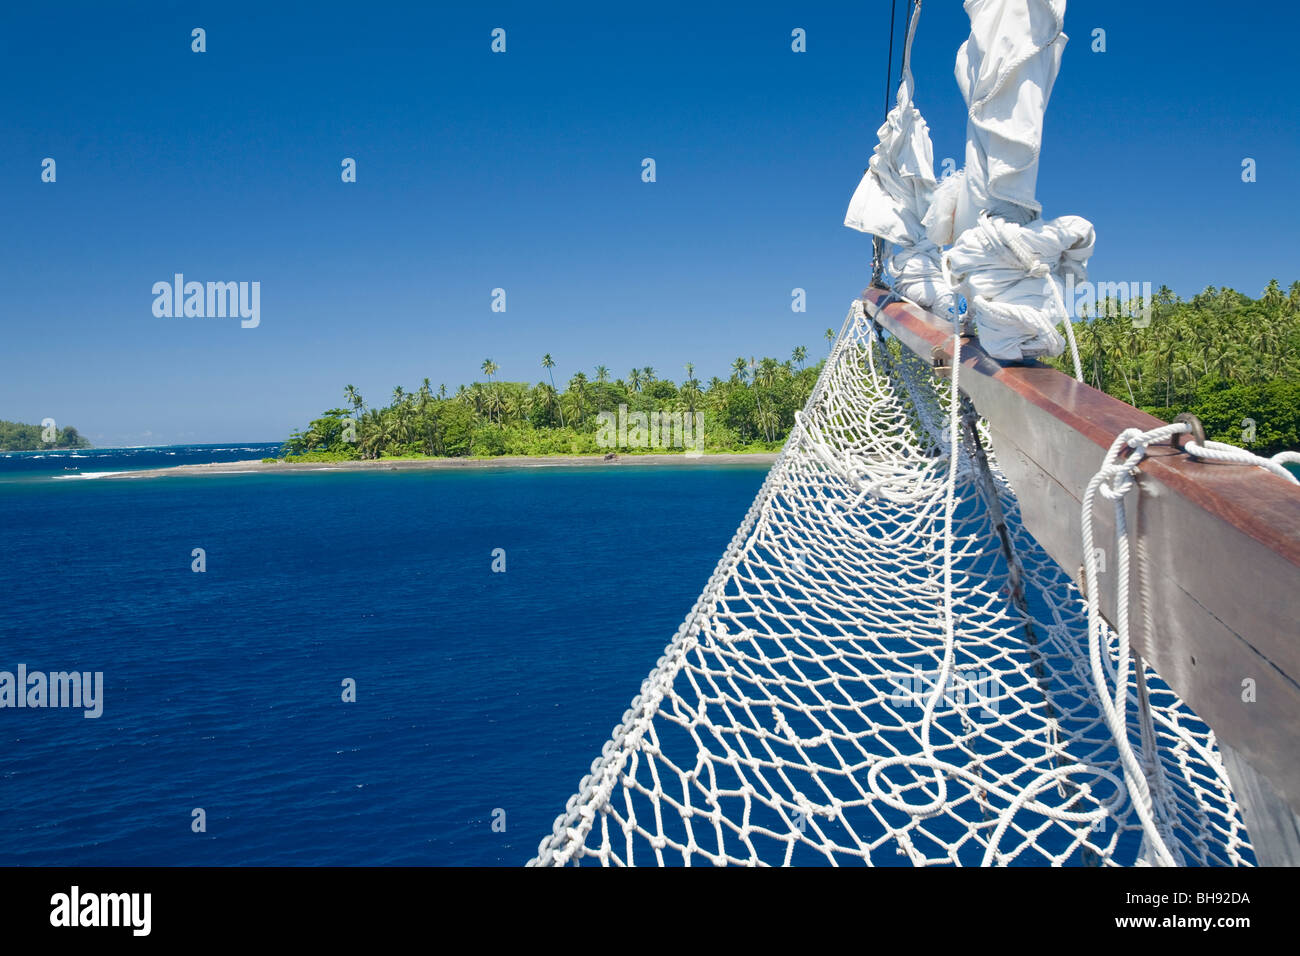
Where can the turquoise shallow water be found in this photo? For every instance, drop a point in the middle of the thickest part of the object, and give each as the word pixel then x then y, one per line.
pixel 477 692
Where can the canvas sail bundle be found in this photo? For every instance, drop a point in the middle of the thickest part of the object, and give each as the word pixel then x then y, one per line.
pixel 896 192
pixel 1008 262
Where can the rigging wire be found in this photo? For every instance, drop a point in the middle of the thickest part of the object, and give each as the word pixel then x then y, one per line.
pixel 889 66
pixel 878 244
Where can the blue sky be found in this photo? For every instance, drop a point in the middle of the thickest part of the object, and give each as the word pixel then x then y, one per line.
pixel 523 171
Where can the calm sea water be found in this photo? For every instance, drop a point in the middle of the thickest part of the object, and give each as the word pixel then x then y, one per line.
pixel 477 692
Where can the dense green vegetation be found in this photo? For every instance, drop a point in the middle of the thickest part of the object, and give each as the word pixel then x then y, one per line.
pixel 15 436
pixel 751 410
pixel 1222 356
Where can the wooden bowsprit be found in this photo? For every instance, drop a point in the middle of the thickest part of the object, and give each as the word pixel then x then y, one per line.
pixel 1221 550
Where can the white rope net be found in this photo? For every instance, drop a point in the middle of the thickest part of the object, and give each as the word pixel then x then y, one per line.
pixel 858 683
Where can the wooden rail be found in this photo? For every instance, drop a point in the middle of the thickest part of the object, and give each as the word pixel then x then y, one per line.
pixel 1222 550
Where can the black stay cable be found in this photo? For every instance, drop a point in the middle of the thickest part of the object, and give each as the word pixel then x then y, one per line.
pixel 889 66
pixel 878 245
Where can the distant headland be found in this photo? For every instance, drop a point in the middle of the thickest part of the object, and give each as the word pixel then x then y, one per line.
pixel 15 436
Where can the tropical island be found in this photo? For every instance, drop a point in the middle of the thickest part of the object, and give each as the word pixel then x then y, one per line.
pixel 751 411
pixel 1231 360
pixel 15 436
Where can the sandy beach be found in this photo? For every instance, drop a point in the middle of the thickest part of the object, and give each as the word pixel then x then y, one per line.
pixel 429 464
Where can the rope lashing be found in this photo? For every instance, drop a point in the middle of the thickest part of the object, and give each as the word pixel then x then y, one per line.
pixel 1116 478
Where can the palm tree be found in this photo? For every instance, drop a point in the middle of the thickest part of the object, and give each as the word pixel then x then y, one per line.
pixel 1264 335
pixel 474 398
pixel 394 430
pixel 765 377
pixel 769 421
pixel 1184 370
pixel 758 397
pixel 496 406
pixel 546 399
pixel 1273 297
pixel 1095 348
pixel 578 401
pixel 799 354
pixel 602 374
pixel 1116 352
pixel 634 379
pixel 423 400
pixel 492 401
pixel 691 393
pixel 738 370
pixel 1228 363
pixel 352 398
pixel 1201 333
pixel 548 363
pixel 1165 353
pixel 830 336
pixel 1281 364
pixel 370 437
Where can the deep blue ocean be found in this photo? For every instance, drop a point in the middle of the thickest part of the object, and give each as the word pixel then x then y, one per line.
pixel 480 696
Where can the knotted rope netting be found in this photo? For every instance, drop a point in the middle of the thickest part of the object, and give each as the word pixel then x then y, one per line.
pixel 886 668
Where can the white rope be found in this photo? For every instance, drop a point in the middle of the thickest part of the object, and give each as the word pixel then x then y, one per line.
pixel 1232 455
pixel 1114 480
pixel 855 684
pixel 1008 235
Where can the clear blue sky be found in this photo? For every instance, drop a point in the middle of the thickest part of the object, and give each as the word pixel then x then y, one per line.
pixel 523 171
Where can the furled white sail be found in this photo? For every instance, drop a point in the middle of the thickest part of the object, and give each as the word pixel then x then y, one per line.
pixel 895 192
pixel 1011 276
pixel 1008 262
pixel 1006 70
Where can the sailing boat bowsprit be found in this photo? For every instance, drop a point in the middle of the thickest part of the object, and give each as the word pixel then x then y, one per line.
pixel 887 667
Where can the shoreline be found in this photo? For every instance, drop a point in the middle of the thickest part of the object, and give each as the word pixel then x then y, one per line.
pixel 258 466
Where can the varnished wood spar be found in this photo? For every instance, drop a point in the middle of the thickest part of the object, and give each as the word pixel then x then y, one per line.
pixel 1222 547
